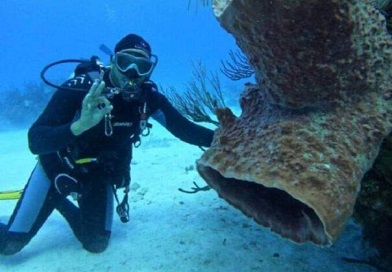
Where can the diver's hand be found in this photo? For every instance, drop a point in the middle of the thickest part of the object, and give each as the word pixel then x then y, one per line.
pixel 94 107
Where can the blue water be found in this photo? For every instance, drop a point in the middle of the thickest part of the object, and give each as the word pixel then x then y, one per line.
pixel 35 33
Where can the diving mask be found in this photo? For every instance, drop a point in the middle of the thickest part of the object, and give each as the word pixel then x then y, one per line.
pixel 134 64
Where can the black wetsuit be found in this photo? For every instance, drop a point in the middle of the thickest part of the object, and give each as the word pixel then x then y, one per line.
pixel 51 139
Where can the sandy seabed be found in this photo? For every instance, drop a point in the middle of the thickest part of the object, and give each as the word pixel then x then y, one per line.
pixel 169 230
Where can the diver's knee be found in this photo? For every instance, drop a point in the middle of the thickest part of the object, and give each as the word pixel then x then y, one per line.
pixel 10 243
pixel 97 244
pixel 96 247
pixel 11 248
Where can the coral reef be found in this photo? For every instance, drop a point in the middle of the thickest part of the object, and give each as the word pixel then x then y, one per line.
pixel 22 106
pixel 202 95
pixel 313 124
pixel 238 67
pixel 376 191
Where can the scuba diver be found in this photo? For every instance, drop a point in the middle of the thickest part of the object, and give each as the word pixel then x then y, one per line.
pixel 84 140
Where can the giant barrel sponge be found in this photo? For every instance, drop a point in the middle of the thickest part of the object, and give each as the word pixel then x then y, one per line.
pixel 313 124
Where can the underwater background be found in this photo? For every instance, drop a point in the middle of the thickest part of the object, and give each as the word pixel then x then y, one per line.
pixel 36 33
pixel 169 231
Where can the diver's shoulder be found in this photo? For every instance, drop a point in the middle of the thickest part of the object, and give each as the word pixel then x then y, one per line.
pixel 152 90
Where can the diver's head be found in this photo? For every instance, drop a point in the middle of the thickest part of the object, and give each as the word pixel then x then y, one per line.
pixel 132 63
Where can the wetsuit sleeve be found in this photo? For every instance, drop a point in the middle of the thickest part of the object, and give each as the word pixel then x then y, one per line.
pixel 180 126
pixel 52 130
